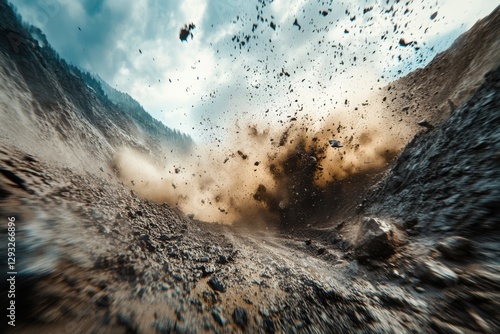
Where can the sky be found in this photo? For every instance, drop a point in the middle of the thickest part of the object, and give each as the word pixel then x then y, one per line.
pixel 246 60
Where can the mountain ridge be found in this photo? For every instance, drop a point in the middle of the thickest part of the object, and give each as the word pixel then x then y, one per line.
pixel 69 107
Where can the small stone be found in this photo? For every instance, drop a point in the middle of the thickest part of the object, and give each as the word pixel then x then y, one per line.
pixel 424 123
pixel 419 289
pixel 222 259
pixel 216 284
pixel 207 270
pixel 104 230
pixel 335 143
pixel 103 301
pixel 269 327
pixel 240 317
pixel 455 248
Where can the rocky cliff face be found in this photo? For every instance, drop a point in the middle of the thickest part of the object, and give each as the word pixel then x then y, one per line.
pixel 447 181
pixel 55 110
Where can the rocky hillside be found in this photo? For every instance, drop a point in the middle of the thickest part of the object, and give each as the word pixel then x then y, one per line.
pixel 447 181
pixel 70 117
pixel 450 78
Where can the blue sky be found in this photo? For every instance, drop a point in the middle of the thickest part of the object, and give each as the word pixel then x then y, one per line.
pixel 343 50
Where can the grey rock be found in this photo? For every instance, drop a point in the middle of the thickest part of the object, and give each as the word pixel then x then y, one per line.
pixel 218 317
pixel 375 240
pixel 104 230
pixel 103 301
pixel 207 270
pixel 240 317
pixel 222 259
pixel 335 143
pixel 437 273
pixel 424 123
pixel 216 284
pixel 455 248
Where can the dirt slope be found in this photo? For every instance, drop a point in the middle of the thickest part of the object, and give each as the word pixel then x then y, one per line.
pixel 452 76
pixel 54 110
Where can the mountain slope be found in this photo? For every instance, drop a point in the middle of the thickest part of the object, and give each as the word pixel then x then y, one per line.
pixel 55 110
pixel 450 78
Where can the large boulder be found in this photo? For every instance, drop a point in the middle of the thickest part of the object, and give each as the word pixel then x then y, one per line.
pixel 375 240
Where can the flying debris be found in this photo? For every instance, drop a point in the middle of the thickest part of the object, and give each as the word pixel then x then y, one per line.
pixel 335 143
pixel 186 32
pixel 140 51
pixel 433 16
pixel 296 23
pixel 403 43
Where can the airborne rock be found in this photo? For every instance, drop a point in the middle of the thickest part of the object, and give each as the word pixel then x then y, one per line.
pixel 335 143
pixel 375 240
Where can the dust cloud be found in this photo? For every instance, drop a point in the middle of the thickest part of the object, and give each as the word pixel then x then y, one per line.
pixel 267 174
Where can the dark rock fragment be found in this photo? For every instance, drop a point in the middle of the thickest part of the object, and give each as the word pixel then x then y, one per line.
pixel 375 240
pixel 455 248
pixel 216 284
pixel 240 317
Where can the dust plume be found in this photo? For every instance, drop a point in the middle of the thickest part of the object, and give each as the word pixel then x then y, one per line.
pixel 267 175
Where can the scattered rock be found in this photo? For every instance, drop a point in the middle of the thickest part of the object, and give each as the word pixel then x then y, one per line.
pixel 268 326
pixel 335 143
pixel 455 248
pixel 425 124
pixel 222 259
pixel 216 284
pixel 104 230
pixel 437 273
pixel 375 240
pixel 186 32
pixel 216 314
pixel 207 270
pixel 103 301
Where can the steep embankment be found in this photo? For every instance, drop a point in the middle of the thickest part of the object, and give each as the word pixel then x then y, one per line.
pixel 450 78
pixel 54 110
pixel 447 180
